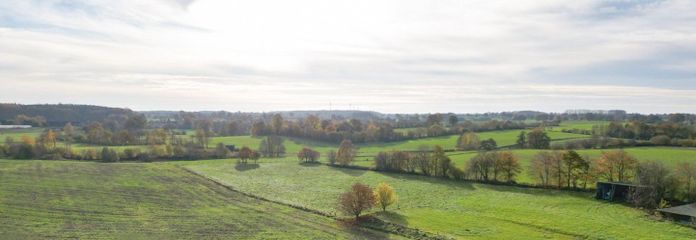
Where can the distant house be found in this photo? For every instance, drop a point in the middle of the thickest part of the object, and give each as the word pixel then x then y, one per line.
pixel 14 126
pixel 230 147
pixel 684 213
pixel 615 191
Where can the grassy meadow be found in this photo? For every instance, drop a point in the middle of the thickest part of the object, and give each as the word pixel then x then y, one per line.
pixel 582 125
pixel 16 134
pixel 69 199
pixel 65 199
pixel 456 209
pixel 293 145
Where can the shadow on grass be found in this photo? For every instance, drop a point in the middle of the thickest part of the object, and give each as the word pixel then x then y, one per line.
pixel 456 184
pixel 313 143
pixel 493 186
pixel 310 164
pixel 244 167
pixel 354 227
pixel 537 191
pixel 392 217
pixel 351 172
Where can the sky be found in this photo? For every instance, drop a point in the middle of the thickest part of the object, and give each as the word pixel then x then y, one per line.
pixel 392 56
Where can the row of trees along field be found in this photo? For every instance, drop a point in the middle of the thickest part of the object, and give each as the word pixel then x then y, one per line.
pixel 130 129
pixel 549 169
pixel 161 144
pixel 535 139
pixel 312 127
pixel 555 169
pixel 639 130
pixel 421 120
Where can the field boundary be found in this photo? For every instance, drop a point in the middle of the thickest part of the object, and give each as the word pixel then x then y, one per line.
pixel 519 185
pixel 372 223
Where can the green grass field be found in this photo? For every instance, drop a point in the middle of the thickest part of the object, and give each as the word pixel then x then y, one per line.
pixel 293 145
pixel 51 200
pixel 405 130
pixel 16 134
pixel 582 125
pixel 458 209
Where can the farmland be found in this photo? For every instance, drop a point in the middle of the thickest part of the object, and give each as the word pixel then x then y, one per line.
pixel 422 120
pixel 44 199
pixel 456 209
pixel 503 138
pixel 293 145
pixel 582 125
pixel 16 134
pixel 67 199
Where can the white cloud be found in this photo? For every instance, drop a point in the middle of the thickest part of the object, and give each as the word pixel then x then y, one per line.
pixel 392 56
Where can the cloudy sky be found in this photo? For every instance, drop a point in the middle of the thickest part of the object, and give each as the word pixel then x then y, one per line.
pixel 389 56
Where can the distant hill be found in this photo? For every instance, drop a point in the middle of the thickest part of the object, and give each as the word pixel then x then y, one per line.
pixel 59 114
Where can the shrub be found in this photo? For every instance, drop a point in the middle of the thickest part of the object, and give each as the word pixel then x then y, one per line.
pixel 384 196
pixel 356 200
pixel 331 157
pixel 661 140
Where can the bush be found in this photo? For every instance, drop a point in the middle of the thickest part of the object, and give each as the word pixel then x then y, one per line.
pixel 356 200
pixel 384 196
pixel 661 140
pixel 131 153
pixel 331 157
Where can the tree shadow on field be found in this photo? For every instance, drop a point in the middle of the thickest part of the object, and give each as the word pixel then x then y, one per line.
pixel 552 192
pixel 306 142
pixel 450 183
pixel 351 172
pixel 245 167
pixel 354 228
pixel 310 164
pixel 392 217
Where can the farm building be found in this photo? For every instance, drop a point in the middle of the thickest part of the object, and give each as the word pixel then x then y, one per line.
pixel 231 147
pixel 684 213
pixel 615 191
pixel 14 126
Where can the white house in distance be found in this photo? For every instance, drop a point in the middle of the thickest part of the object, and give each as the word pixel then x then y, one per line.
pixel 14 126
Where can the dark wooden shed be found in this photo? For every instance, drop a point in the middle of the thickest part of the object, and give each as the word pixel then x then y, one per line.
pixel 684 213
pixel 615 191
pixel 232 148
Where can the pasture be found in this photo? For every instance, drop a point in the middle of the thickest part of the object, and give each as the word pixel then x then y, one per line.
pixel 47 199
pixel 582 125
pixel 16 134
pixel 458 209
pixel 293 145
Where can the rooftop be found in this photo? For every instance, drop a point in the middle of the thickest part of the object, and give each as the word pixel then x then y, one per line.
pixel 686 210
pixel 621 184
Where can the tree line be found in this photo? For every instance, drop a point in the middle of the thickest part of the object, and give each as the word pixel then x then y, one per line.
pixel 160 145
pixel 553 169
pixel 56 115
pixel 535 139
pixel 567 169
pixel 357 131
